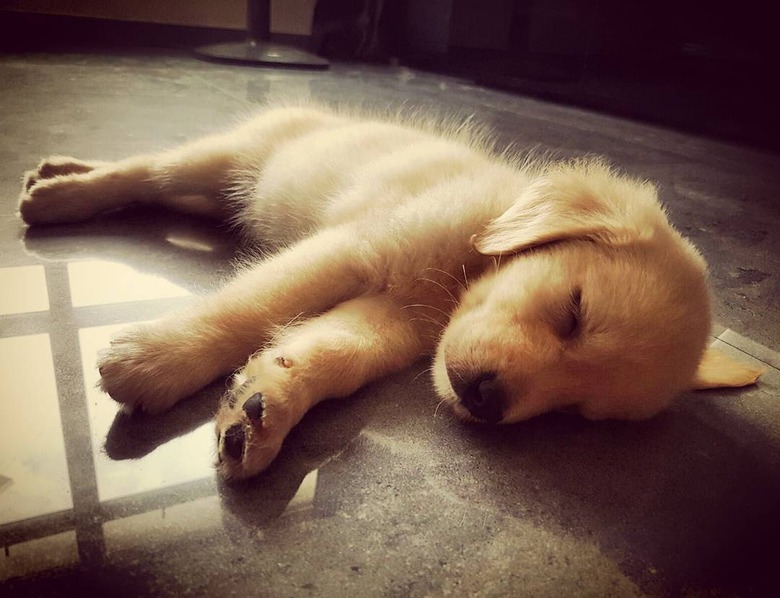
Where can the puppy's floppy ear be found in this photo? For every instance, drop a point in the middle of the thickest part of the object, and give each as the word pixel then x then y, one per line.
pixel 718 370
pixel 577 200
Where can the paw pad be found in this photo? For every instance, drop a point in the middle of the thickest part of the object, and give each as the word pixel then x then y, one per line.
pixel 254 407
pixel 233 441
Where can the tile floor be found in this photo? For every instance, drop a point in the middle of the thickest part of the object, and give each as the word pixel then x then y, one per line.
pixel 379 495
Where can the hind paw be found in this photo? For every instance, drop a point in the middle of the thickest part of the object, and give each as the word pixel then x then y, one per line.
pixel 56 191
pixel 54 166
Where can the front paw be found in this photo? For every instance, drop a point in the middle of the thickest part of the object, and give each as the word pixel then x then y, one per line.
pixel 146 368
pixel 252 422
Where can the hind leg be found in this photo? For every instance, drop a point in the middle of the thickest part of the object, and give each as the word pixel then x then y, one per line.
pixel 194 178
pixel 190 179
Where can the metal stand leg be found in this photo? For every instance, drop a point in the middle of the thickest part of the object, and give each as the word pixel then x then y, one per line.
pixel 257 49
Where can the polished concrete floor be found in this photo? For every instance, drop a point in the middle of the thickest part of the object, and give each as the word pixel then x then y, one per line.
pixel 382 494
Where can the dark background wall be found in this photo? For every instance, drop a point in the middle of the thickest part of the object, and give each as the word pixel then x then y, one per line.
pixel 706 67
pixel 709 67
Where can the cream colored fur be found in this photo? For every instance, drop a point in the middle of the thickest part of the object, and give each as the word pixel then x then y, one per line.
pixel 562 284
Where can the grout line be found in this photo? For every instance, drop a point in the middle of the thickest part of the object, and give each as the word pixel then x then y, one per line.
pixel 741 350
pixel 215 87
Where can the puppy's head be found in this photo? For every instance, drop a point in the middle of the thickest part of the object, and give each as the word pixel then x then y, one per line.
pixel 599 305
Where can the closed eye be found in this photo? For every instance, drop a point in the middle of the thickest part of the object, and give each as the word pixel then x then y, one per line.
pixel 569 324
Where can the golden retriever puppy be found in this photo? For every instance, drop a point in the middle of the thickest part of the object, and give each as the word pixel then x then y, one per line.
pixel 535 287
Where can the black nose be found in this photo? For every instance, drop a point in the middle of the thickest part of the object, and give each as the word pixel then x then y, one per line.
pixel 480 394
pixel 234 441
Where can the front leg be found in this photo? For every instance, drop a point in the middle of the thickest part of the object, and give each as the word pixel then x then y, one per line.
pixel 329 356
pixel 154 365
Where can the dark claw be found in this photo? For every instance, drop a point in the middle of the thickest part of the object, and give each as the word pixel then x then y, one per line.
pixel 234 441
pixel 254 406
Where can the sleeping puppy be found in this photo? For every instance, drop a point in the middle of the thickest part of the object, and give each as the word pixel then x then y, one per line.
pixel 534 286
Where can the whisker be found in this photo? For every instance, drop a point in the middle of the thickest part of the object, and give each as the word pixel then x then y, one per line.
pixel 436 411
pixel 428 319
pixel 441 311
pixel 459 283
pixel 445 289
pixel 427 370
pixel 465 277
pixel 434 336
